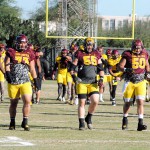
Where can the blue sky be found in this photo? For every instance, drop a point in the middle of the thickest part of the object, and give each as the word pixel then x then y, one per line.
pixel 105 7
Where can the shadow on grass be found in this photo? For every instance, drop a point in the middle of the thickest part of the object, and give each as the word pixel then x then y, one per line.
pixel 18 127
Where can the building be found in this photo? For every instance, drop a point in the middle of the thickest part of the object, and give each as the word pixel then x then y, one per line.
pixel 115 22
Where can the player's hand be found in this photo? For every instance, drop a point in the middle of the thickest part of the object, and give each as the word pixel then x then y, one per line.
pixel 118 78
pixel 100 82
pixel 147 75
pixel 53 77
pixel 36 83
pixel 40 75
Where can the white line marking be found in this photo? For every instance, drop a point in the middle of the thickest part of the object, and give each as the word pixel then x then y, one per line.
pixel 14 141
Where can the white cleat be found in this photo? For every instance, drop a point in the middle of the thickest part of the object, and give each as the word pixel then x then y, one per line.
pixel 60 98
pixel 63 99
pixel 101 100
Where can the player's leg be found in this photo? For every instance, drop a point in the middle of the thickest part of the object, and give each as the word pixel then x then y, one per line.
pixel 93 91
pixel 26 94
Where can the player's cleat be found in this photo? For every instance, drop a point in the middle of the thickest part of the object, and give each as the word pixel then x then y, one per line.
pixel 81 126
pixel 89 123
pixel 124 123
pixel 25 126
pixel 63 99
pixel 113 103
pixel 59 98
pixel 141 127
pixel 101 100
pixel 12 126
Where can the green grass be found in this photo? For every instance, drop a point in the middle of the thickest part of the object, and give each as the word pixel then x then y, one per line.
pixel 54 125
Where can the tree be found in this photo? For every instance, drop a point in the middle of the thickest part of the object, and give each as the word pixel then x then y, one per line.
pixel 8 8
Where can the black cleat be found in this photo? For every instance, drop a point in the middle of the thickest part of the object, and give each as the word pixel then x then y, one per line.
pixel 12 126
pixel 89 123
pixel 82 126
pixel 141 127
pixel 124 123
pixel 25 126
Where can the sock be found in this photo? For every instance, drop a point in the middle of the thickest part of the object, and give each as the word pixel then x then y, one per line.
pixel 81 120
pixel 88 118
pixel 12 119
pixel 140 121
pixel 100 96
pixel 25 120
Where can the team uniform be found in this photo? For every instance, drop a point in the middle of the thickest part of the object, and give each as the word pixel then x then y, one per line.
pixel 113 66
pixel 61 66
pixel 135 81
pixel 89 64
pixel 87 72
pixel 18 63
pixel 62 71
pixel 135 66
pixel 20 83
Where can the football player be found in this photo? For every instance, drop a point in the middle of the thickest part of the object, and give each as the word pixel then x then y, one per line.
pixel 134 64
pixel 113 62
pixel 88 63
pixel 19 61
pixel 61 66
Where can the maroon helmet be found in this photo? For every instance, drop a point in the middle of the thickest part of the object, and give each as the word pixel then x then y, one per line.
pixel 64 51
pixel 108 52
pixel 115 54
pixel 137 44
pixel 21 39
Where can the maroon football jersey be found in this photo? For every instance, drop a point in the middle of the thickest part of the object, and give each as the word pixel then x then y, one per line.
pixel 136 62
pixel 19 65
pixel 87 63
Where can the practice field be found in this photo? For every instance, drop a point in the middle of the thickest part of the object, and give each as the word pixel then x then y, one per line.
pixel 54 126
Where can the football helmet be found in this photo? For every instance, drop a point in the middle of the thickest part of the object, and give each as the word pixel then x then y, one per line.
pixel 108 52
pixel 137 46
pixel 89 41
pixel 64 51
pixel 115 54
pixel 21 42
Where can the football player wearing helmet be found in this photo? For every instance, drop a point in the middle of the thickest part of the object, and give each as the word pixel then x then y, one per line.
pixel 88 63
pixel 113 62
pixel 134 64
pixel 18 63
pixel 61 66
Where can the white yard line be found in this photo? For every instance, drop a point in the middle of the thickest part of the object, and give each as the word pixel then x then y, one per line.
pixel 14 141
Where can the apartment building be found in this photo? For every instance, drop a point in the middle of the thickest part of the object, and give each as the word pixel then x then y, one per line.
pixel 115 22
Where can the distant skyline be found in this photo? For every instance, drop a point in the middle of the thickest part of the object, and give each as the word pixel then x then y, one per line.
pixel 105 7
